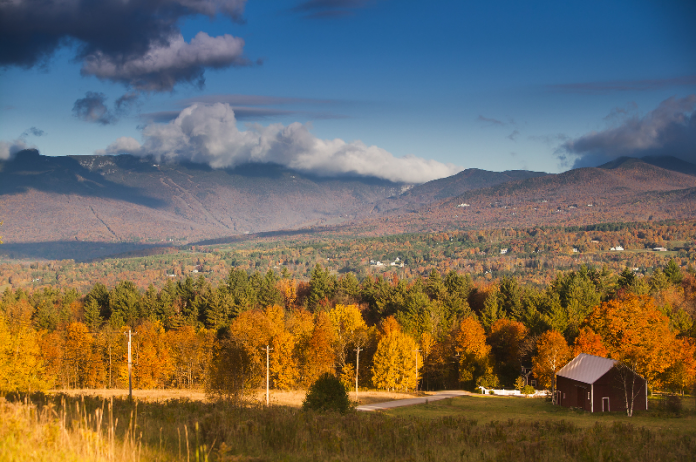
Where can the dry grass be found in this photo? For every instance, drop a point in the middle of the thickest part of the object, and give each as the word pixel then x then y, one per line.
pixel 72 429
pixel 291 398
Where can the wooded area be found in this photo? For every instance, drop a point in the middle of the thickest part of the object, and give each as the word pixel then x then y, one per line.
pixel 192 333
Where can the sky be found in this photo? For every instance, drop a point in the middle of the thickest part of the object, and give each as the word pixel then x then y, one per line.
pixel 402 90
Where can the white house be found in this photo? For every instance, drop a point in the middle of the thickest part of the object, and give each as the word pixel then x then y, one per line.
pixel 618 248
pixel 503 251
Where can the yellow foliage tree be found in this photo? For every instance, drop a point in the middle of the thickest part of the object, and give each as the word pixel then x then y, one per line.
pixel 21 367
pixel 394 362
pixel 348 328
pixel 552 354
pixel 319 353
pixel 152 363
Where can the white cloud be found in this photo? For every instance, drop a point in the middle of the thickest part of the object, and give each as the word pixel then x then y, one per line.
pixel 9 148
pixel 209 134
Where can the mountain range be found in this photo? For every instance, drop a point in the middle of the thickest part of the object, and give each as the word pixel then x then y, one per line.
pixel 113 202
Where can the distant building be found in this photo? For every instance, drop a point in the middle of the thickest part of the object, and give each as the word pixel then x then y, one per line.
pixel 593 383
pixel 618 248
pixel 660 249
pixel 503 251
pixel 575 250
pixel 463 205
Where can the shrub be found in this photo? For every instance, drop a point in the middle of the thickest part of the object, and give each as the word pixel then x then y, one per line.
pixel 519 384
pixel 327 394
pixel 527 390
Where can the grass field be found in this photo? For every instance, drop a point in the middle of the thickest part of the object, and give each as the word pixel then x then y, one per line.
pixel 486 408
pixel 86 428
pixel 292 398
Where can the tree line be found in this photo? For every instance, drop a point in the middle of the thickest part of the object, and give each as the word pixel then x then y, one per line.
pixel 434 332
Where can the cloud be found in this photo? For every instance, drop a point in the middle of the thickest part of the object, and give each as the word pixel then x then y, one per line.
pixel 619 113
pixel 624 85
pixel 327 9
pixel 133 42
pixel 9 148
pixel 670 129
pixel 490 120
pixel 91 108
pixel 126 101
pixel 33 131
pixel 208 134
pixel 251 100
pixel 513 136
pixel 165 65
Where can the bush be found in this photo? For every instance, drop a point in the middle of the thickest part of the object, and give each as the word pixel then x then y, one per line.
pixel 327 394
pixel 527 390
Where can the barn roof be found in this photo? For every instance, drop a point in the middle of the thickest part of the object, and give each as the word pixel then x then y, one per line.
pixel 586 368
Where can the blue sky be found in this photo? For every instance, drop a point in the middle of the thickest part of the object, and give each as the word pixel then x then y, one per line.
pixel 492 85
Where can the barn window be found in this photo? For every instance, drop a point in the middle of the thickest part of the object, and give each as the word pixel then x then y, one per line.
pixel 588 395
pixel 534 383
pixel 563 395
pixel 605 405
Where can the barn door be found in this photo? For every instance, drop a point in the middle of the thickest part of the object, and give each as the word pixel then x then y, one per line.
pixel 580 397
pixel 605 405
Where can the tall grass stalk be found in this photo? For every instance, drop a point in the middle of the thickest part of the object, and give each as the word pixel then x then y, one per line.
pixel 61 428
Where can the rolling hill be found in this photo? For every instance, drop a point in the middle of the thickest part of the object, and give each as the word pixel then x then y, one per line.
pixel 92 206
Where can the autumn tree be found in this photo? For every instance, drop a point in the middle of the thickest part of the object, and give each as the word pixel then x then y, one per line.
pixel 506 339
pixel 21 367
pixel 636 333
pixel 152 363
pixel 681 374
pixel 349 331
pixel 552 354
pixel 394 362
pixel 283 363
pixel 590 343
pixel 189 354
pixel 473 351
pixel 319 351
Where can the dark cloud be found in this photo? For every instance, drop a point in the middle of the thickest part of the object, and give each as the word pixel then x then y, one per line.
pixel 132 42
pixel 327 9
pixel 513 136
pixel 490 120
pixel 92 108
pixel 251 100
pixel 125 102
pixel 624 85
pixel 253 107
pixel 33 131
pixel 670 129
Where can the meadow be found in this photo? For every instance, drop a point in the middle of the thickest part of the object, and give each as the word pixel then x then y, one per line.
pixel 60 427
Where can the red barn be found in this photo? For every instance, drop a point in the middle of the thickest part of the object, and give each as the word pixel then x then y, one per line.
pixel 596 384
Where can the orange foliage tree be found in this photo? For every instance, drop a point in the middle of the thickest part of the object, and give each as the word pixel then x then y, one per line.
pixel 470 345
pixel 590 343
pixel 636 333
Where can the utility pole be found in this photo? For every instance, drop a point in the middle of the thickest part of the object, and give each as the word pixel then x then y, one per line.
pixel 268 372
pixel 130 366
pixel 357 368
pixel 416 350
